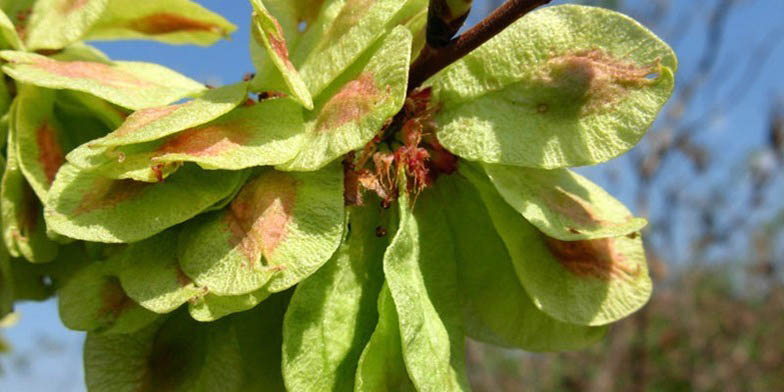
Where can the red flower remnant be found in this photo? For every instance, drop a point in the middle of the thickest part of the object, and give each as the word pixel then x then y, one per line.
pixel 592 258
pixel 166 23
pixel 100 72
pixel 258 218
pixel 50 153
pixel 355 100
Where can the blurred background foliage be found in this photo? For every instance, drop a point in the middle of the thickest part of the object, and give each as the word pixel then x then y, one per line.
pixel 708 176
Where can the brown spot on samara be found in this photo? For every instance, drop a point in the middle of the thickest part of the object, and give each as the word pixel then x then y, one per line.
pixel 27 214
pixel 100 72
pixel 114 301
pixel 182 279
pixel 167 23
pixel 106 193
pixel 355 100
pixel 259 217
pixel 572 207
pixel 144 117
pixel 593 78
pixel 597 258
pixel 69 6
pixel 206 141
pixel 50 152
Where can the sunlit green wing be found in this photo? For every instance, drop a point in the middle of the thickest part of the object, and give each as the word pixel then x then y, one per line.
pixel 357 106
pixel 587 282
pixel 54 24
pixel 563 86
pixel 24 229
pixel 176 355
pixel 269 45
pixel 347 36
pixel 562 203
pixel 210 307
pixel 170 21
pixel 496 308
pixel 279 229
pixel 132 85
pixel 422 277
pixel 151 276
pixel 42 139
pixel 9 38
pixel 94 300
pixel 320 350
pixel 83 204
pixel 381 366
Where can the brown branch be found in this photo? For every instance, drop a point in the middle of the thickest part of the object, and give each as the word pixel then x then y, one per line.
pixel 432 60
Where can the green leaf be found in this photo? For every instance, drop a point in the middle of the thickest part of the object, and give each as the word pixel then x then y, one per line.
pixel 355 109
pixel 132 85
pixel 9 38
pixel 24 229
pixel 496 308
pixel 171 21
pixel 571 92
pixel 381 366
pixel 211 307
pixel 178 354
pixel 150 274
pixel 425 289
pixel 94 300
pixel 332 313
pixel 279 230
pixel 267 33
pixel 587 282
pixel 54 24
pixel 562 203
pixel 344 38
pixel 85 205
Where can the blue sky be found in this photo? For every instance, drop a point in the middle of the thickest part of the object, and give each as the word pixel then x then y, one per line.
pixel 48 357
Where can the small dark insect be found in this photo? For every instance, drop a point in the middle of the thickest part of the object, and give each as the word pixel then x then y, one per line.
pixel 381 231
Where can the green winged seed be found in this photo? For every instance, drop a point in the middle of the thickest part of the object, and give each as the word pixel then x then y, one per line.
pixel 571 93
pixel 356 108
pixel 83 204
pixel 24 229
pixel 157 122
pixel 354 30
pixel 211 307
pixel 259 333
pixel 80 104
pixel 9 38
pixel 424 286
pixel 587 282
pixel 170 21
pixel 151 276
pixel 496 308
pixel 245 137
pixel 562 203
pixel 279 229
pixel 381 366
pixel 176 355
pixel 133 85
pixel 320 352
pixel 42 139
pixel 94 300
pixel 54 24
pixel 268 34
